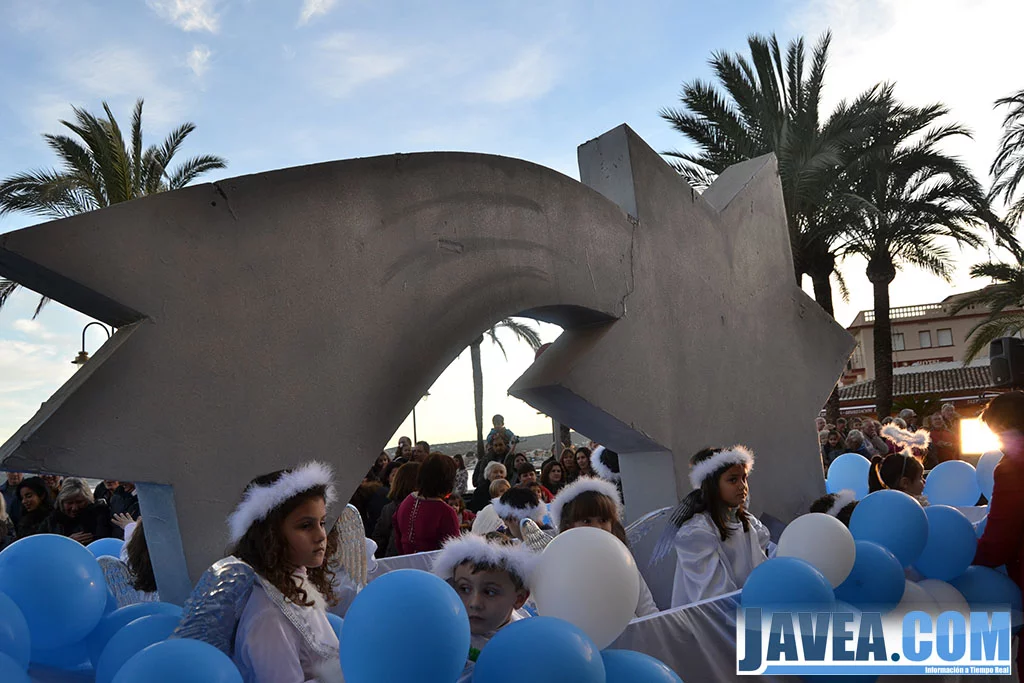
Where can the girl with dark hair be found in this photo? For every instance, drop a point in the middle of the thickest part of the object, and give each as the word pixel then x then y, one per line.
pixel 403 483
pixel 583 465
pixel 717 542
pixel 899 472
pixel 461 475
pixel 35 505
pixel 136 555
pixel 593 502
pixel 839 505
pixel 279 529
pixel 424 520
pixel 570 472
pixel 552 477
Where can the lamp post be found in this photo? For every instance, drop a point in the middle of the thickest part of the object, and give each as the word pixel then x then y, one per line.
pixel 83 356
pixel 414 436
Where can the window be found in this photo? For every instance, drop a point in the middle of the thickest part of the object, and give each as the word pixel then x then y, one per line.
pixel 925 339
pixel 897 341
pixel 945 337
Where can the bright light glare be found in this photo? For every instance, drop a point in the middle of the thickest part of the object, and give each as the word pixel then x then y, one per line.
pixel 976 438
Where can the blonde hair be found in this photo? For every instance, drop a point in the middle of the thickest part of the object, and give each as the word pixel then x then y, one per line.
pixel 73 486
pixel 496 486
pixel 3 510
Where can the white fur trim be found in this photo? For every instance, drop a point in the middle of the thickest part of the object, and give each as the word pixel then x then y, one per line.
pixel 581 485
pixel 506 511
pixel 907 438
pixel 843 498
pixel 737 455
pixel 603 470
pixel 516 559
pixel 259 501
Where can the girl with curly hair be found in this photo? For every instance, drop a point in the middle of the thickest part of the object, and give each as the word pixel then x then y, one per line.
pixel 280 530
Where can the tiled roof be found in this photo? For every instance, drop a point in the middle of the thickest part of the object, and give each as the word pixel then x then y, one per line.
pixel 916 383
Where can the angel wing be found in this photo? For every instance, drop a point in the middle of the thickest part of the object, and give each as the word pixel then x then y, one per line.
pixel 535 538
pixel 120 581
pixel 639 529
pixel 212 612
pixel 352 545
pixel 686 508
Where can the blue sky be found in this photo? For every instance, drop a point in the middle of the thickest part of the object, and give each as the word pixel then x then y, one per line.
pixel 291 82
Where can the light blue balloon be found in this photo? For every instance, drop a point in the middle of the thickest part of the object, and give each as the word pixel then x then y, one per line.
pixel 118 619
pixel 57 585
pixel 11 671
pixel 556 650
pixel 336 624
pixel 876 582
pixel 627 666
pixel 987 472
pixel 74 657
pixel 986 589
pixel 15 641
pixel 849 471
pixel 951 544
pixel 180 660
pixel 893 520
pixel 106 546
pixel 133 638
pixel 429 607
pixel 787 584
pixel 953 482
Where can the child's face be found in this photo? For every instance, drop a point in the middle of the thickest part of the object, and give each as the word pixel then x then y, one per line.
pixel 555 474
pixel 732 486
pixel 833 439
pixel 527 478
pixel 519 460
pixel 489 597
pixel 595 522
pixel 913 487
pixel 305 531
pixel 29 499
pixel 583 461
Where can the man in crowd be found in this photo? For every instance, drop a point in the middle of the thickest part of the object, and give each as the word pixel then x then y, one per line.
pixel 910 417
pixel 420 451
pixel 104 490
pixel 9 490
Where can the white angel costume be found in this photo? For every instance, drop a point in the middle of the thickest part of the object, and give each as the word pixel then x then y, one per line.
pixel 707 566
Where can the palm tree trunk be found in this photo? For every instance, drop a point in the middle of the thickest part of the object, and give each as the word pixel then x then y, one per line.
pixel 478 395
pixel 823 295
pixel 881 273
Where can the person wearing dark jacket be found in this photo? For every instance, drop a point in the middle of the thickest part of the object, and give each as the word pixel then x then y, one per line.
pixel 9 490
pixel 124 501
pixel 77 516
pixel 35 506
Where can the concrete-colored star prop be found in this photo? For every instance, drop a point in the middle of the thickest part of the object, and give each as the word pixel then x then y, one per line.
pixel 714 343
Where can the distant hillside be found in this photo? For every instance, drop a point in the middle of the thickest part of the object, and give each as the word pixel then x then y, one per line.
pixel 527 444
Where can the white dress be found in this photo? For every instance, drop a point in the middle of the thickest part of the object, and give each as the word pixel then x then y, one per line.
pixel 707 566
pixel 645 606
pixel 281 642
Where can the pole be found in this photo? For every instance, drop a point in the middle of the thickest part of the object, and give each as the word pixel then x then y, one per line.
pixel 414 439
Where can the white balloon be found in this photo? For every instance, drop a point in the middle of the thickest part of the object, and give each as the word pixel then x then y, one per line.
pixel 946 597
pixel 822 541
pixel 915 599
pixel 587 577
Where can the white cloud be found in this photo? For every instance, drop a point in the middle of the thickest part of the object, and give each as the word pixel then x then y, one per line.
pixel 199 60
pixel 188 15
pixel 532 74
pixel 346 61
pixel 32 328
pixel 315 8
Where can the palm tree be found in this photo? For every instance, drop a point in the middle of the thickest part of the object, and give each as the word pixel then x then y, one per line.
pixel 773 106
pixel 915 197
pixel 1008 167
pixel 523 332
pixel 99 169
pixel 1006 291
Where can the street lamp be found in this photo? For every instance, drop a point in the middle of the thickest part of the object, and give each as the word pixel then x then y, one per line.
pixel 83 356
pixel 414 438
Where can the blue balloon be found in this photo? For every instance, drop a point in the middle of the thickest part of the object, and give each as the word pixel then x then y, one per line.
pixel 111 603
pixel 893 520
pixel 429 607
pixel 849 471
pixel 951 544
pixel 106 546
pixel 336 623
pixel 118 619
pixel 986 470
pixel 876 582
pixel 180 660
pixel 627 666
pixel 57 585
pixel 74 657
pixel 986 589
pixel 11 671
pixel 557 652
pixel 953 482
pixel 15 641
pixel 131 639
pixel 787 584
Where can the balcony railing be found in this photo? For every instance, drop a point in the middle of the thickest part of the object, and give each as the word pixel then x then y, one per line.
pixel 904 312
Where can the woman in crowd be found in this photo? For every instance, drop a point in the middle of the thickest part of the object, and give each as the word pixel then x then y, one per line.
pixel 487 520
pixel 280 530
pixel 424 520
pixel 77 516
pixel 461 476
pixel 388 476
pixel 482 496
pixel 583 465
pixel 943 442
pixel 569 470
pixel 514 461
pixel 377 471
pixel 35 505
pixel 552 478
pixel 403 484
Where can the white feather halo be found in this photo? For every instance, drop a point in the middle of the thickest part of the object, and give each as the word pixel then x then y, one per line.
pixel 737 455
pixel 907 438
pixel 842 499
pixel 603 470
pixel 259 501
pixel 506 511
pixel 517 559
pixel 582 485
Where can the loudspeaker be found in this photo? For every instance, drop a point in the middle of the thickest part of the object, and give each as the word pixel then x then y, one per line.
pixel 1006 362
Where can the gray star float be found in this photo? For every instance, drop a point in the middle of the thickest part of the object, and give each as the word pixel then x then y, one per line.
pixel 299 314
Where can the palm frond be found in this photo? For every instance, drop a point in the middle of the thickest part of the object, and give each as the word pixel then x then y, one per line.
pixel 7 287
pixel 984 333
pixel 190 169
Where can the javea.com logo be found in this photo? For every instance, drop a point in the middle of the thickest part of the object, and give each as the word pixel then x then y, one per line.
pixel 837 643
